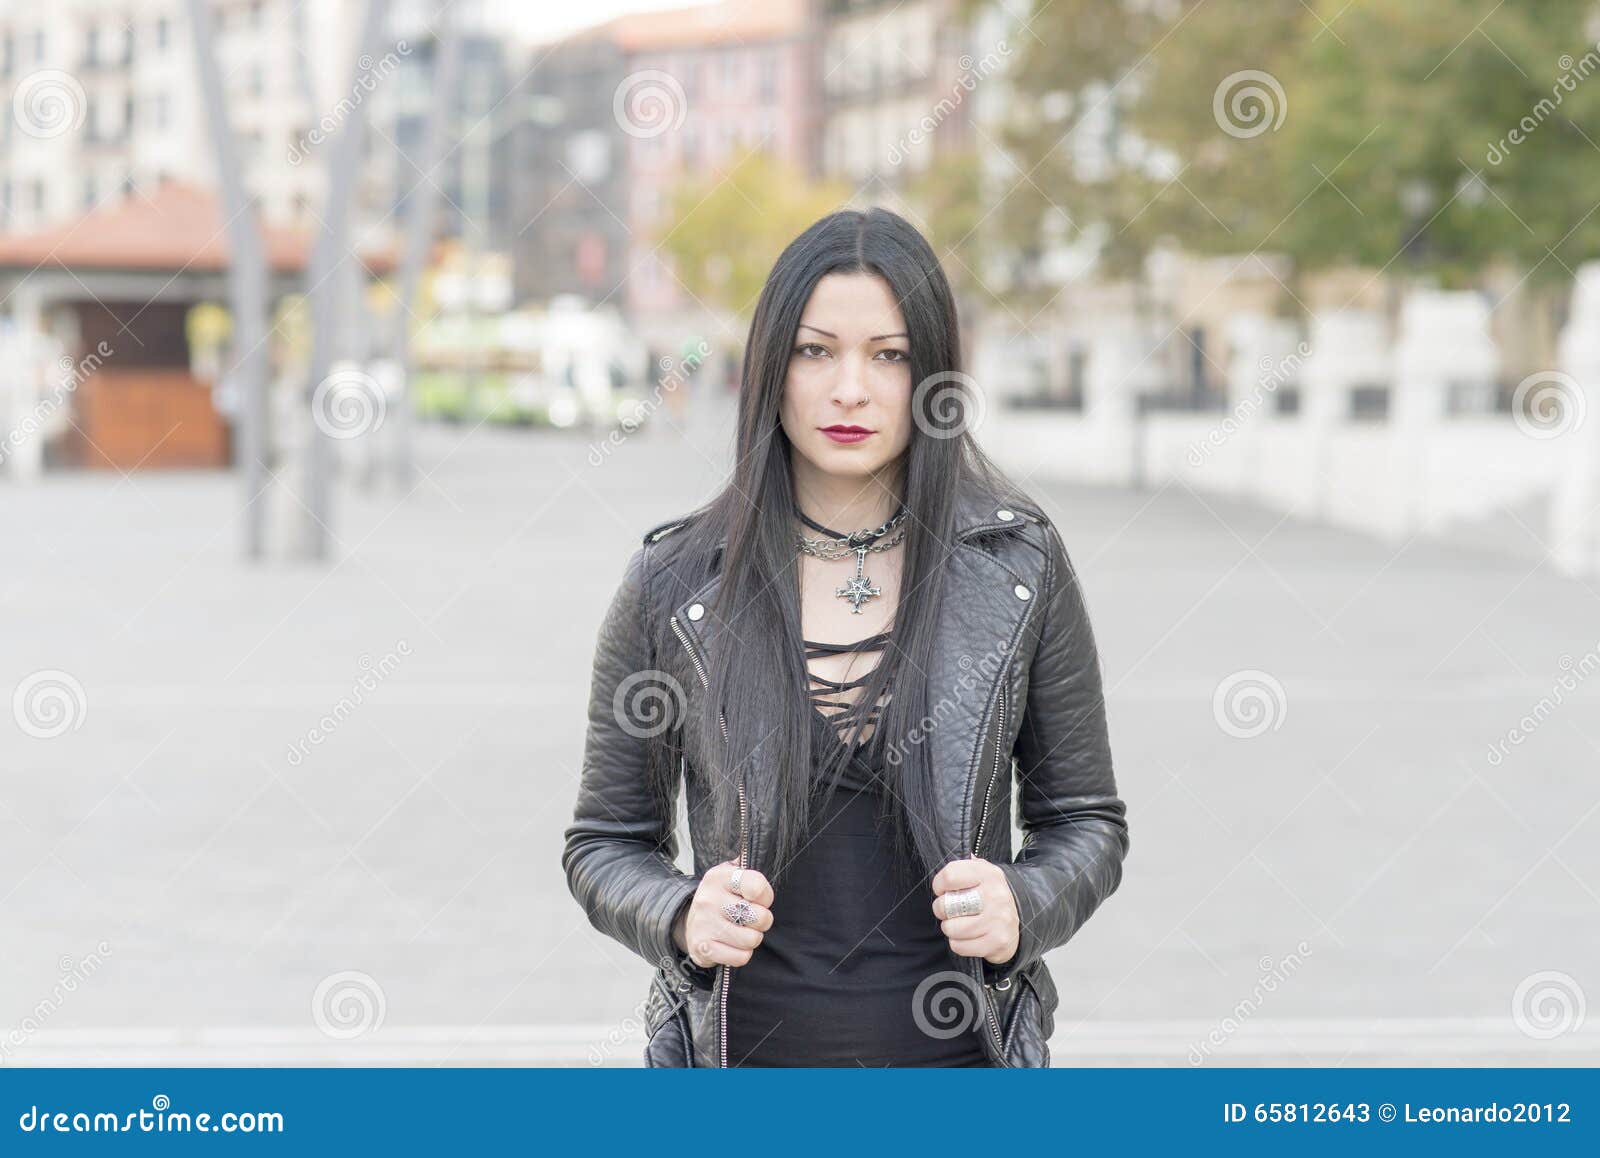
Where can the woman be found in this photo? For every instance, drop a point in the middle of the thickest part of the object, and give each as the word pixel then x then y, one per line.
pixel 842 657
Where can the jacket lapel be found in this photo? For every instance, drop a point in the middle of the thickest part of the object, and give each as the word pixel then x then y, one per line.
pixel 978 631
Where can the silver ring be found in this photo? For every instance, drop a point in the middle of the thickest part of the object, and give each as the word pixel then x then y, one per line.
pixel 733 882
pixel 739 912
pixel 964 903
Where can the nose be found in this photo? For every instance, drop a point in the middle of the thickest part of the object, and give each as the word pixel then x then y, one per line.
pixel 850 384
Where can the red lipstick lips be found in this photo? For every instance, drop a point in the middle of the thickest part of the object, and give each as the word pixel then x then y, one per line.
pixel 843 433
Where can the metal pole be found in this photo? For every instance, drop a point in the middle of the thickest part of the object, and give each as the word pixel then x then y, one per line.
pixel 420 223
pixel 323 292
pixel 247 285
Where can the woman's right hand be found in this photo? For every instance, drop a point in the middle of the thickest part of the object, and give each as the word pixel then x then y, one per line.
pixel 707 934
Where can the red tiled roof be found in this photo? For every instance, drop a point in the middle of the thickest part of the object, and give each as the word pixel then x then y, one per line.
pixel 177 226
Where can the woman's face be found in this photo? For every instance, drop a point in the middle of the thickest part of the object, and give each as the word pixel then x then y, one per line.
pixel 849 366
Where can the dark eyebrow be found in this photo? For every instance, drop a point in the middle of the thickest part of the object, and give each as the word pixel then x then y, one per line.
pixel 874 338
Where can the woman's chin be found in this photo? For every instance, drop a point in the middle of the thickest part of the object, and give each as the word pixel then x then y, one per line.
pixel 849 461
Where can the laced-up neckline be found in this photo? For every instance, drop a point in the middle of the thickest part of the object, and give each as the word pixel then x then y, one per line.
pixel 832 700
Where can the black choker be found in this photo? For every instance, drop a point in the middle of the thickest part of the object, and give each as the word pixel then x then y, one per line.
pixel 857 538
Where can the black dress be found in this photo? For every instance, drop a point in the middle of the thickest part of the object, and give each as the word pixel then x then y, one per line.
pixel 854 947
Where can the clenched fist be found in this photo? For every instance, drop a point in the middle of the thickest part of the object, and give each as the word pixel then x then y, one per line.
pixel 993 932
pixel 704 929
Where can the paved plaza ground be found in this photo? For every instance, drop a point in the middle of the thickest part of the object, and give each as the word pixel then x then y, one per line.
pixel 219 855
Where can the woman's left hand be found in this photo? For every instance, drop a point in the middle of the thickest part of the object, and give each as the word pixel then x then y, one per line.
pixel 992 932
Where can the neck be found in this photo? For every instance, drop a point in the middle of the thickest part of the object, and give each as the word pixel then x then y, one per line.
pixel 847 503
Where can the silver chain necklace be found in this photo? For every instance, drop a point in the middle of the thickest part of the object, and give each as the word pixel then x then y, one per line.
pixel 858 588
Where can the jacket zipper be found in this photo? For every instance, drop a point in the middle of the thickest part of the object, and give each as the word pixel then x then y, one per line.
pixel 983 816
pixel 977 843
pixel 725 971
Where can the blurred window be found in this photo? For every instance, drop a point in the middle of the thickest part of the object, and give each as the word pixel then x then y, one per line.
pixel 1369 402
pixel 767 77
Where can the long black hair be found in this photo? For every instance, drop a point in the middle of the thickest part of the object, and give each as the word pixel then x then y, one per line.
pixel 758 673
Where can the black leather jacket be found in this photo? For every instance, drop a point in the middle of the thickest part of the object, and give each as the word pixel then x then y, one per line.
pixel 1018 714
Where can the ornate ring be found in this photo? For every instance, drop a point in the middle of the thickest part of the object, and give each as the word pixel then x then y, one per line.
pixel 739 912
pixel 733 882
pixel 964 903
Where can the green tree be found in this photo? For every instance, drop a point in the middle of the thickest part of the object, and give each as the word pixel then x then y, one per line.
pixel 1415 104
pixel 945 201
pixel 724 231
pixel 1426 139
pixel 1074 84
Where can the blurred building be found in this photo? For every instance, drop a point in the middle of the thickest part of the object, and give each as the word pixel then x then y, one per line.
pixel 97 330
pixel 473 168
pixel 568 164
pixel 106 102
pixel 616 117
pixel 891 88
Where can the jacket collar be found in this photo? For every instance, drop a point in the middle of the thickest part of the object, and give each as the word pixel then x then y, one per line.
pixel 977 510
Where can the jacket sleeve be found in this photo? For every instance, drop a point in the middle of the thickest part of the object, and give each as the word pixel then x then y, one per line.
pixel 621 845
pixel 1075 834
